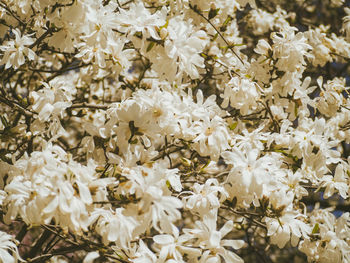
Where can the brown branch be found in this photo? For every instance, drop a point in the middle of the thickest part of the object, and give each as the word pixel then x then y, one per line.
pixel 41 38
pixel 35 249
pixel 245 215
pixel 20 235
pixel 4 5
pixel 16 105
pixel 89 106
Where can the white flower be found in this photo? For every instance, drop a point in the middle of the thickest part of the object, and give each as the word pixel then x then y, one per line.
pixel 8 249
pixel 142 254
pixel 293 181
pixel 114 226
pixel 165 211
pixel 242 94
pixel 285 228
pixel 182 48
pixel 250 174
pixel 205 197
pixel 208 238
pixel 119 55
pixel 329 243
pixel 71 24
pixel 290 49
pixel 49 186
pixel 261 21
pixel 330 97
pixel 16 50
pixel 139 19
pixel 53 99
pixel 212 138
pixel 321 45
pixel 346 23
pixel 339 182
pixel 263 47
pixel 337 2
pixel 184 44
pixel 174 247
pixel 156 206
pixel 100 23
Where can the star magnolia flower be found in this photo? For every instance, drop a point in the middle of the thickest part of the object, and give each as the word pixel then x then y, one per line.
pixel 248 176
pixel 48 186
pixel 142 254
pixel 173 247
pixel 209 238
pixel 346 23
pixel 114 226
pixel 338 182
pixel 139 19
pixel 242 94
pixel 290 49
pixel 8 249
pixel 101 21
pixel 286 228
pixel 16 50
pixel 330 237
pixel 212 137
pixel 183 44
pixel 204 197
pixel 49 101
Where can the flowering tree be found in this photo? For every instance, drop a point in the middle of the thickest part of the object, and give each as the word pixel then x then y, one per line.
pixel 174 131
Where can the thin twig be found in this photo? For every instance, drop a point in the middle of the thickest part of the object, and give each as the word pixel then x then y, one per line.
pixel 15 104
pixel 89 106
pixel 217 31
pixel 4 5
pixel 244 214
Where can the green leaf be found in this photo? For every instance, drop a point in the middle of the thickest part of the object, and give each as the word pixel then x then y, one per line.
pixel 165 25
pixel 228 20
pixel 150 46
pixel 295 109
pixel 134 141
pixel 233 126
pixel 204 166
pixel 213 13
pixel 215 37
pixel 224 25
pixel 316 229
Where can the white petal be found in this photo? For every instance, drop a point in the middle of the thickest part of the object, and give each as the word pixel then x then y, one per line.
pixel 163 239
pixel 113 231
pixel 226 228
pixel 90 257
pixel 46 112
pixel 215 239
pixel 51 206
pixel 84 193
pixel 236 244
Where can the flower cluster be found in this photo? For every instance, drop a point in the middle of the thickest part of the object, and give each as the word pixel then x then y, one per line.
pixel 174 131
